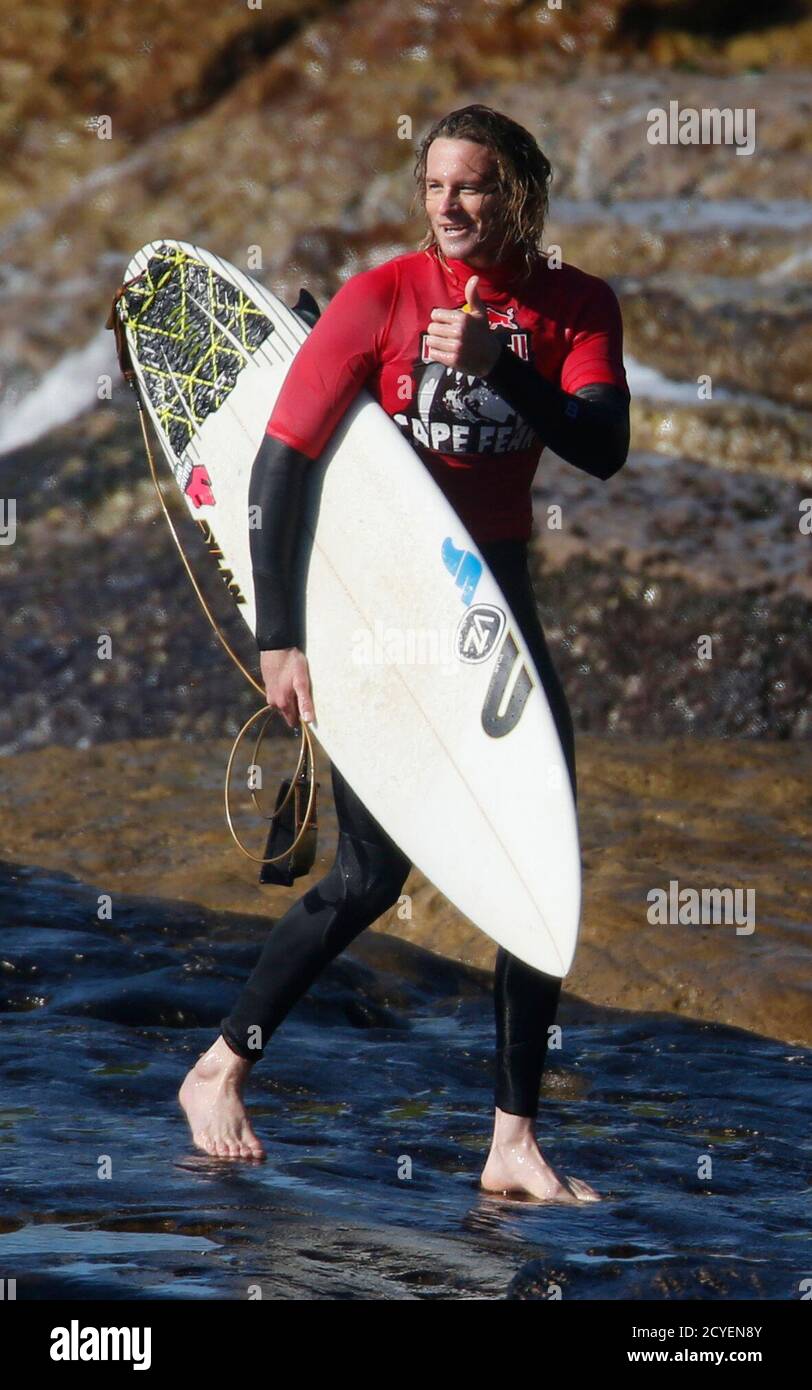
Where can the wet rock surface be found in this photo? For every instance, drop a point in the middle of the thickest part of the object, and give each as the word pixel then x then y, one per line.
pixel 146 816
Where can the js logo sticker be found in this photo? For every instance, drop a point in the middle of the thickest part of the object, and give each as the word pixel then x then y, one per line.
pixel 497 721
pixel 478 632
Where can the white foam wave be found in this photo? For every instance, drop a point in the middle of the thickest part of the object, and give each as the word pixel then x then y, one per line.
pixel 68 389
pixel 71 387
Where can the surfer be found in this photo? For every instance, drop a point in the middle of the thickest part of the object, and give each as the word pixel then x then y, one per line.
pixel 483 352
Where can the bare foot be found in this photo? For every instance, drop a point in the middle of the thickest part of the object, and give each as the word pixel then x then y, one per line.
pixel 211 1098
pixel 516 1164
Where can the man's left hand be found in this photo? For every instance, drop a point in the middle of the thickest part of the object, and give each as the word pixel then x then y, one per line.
pixel 461 338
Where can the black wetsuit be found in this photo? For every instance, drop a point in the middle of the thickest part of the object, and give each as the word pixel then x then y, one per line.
pixel 589 428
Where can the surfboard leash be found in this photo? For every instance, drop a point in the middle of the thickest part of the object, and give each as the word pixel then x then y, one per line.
pixel 306 759
pixel 305 767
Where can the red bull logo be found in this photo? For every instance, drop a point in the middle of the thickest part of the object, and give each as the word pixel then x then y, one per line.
pixel 497 319
pixel 506 318
pixel 501 318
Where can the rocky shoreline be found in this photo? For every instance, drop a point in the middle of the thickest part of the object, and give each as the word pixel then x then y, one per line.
pixel 145 817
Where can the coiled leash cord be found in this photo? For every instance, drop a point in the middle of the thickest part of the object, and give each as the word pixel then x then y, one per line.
pixel 306 759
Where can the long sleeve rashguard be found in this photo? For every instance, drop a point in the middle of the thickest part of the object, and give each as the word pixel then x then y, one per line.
pixel 559 381
pixel 589 428
pixel 275 500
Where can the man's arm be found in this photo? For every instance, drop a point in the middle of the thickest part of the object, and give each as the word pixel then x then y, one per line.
pixel 326 374
pixel 588 428
pixel 275 496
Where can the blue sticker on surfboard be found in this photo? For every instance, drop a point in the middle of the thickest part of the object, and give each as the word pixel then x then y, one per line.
pixel 465 567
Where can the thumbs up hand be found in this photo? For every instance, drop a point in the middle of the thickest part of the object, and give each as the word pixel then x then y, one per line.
pixel 461 338
pixel 473 303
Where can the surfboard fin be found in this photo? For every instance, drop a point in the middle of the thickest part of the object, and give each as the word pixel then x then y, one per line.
pixel 306 308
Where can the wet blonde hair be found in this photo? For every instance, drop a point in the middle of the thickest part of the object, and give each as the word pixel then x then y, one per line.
pixel 523 174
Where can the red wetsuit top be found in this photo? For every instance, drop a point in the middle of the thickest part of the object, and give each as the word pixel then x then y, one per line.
pixel 479 450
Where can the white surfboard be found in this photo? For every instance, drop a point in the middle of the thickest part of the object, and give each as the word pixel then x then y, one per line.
pixel 426 696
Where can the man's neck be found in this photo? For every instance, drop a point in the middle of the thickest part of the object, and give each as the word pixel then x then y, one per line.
pixel 509 267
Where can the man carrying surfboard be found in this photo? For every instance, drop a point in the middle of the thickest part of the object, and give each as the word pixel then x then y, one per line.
pixel 483 353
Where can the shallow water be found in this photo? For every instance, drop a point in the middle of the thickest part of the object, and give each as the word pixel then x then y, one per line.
pixel 387 1060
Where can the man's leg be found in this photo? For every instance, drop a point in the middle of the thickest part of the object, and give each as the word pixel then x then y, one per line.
pixel 365 879
pixel 525 999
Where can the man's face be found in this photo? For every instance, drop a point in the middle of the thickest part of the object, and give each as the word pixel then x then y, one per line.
pixel 462 200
